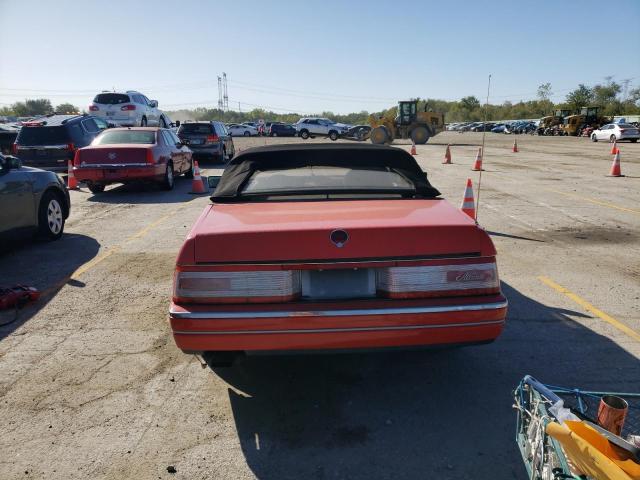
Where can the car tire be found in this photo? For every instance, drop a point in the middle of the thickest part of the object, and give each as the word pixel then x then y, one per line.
pixel 189 172
pixel 274 134
pixel 612 139
pixel 51 216
pixel 96 188
pixel 379 135
pixel 143 122
pixel 634 140
pixel 304 134
pixel 594 138
pixel 224 157
pixel 246 134
pixel 333 135
pixel 168 180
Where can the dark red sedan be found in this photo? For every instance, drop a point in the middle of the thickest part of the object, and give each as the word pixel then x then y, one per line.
pixel 123 155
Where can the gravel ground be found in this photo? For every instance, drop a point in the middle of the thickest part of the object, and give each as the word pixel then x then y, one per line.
pixel 92 386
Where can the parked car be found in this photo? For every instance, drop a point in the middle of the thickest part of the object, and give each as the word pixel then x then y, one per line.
pixel 50 142
pixel 127 109
pixel 31 199
pixel 617 132
pixel 236 130
pixel 309 247
pixel 8 135
pixel 281 130
pixel 323 127
pixel 208 140
pixel 499 128
pixel 124 155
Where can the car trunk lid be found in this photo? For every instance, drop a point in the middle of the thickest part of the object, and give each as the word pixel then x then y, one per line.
pixel 123 154
pixel 282 232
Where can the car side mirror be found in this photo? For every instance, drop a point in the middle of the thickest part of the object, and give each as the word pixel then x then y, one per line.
pixel 11 163
pixel 177 123
pixel 154 103
pixel 213 181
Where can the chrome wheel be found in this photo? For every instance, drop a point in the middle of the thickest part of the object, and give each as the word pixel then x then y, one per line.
pixel 54 216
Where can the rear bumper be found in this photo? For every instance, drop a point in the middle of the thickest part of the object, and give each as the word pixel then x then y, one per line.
pixel 206 328
pixel 118 173
pixel 213 150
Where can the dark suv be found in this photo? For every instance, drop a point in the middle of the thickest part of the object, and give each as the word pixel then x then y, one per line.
pixel 208 139
pixel 282 130
pixel 50 142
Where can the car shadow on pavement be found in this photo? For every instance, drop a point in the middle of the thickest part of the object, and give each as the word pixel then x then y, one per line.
pixel 143 193
pixel 414 414
pixel 47 266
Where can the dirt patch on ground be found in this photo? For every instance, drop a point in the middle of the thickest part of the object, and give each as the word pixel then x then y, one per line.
pixel 595 235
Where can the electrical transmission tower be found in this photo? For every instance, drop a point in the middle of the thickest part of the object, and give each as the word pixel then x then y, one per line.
pixel 225 97
pixel 220 104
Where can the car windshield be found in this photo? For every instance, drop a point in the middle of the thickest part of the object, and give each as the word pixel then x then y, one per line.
pixel 114 137
pixel 111 98
pixel 43 136
pixel 202 128
pixel 326 180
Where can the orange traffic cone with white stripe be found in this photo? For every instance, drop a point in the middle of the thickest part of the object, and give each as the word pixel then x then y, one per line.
pixel 197 185
pixel 413 149
pixel 615 166
pixel 447 155
pixel 477 166
pixel 468 205
pixel 614 147
pixel 72 182
pixel 515 146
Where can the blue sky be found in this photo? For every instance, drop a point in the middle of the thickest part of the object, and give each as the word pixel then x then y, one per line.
pixel 312 56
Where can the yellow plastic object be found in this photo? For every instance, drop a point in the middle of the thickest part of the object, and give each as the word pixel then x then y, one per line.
pixel 591 453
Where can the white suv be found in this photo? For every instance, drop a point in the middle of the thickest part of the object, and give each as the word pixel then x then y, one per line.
pixel 310 127
pixel 128 109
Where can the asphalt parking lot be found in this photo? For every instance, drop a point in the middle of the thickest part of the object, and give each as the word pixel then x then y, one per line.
pixel 92 385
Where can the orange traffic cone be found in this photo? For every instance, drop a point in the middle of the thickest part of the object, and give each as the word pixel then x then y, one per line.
pixel 615 166
pixel 447 156
pixel 468 205
pixel 413 149
pixel 614 147
pixel 197 185
pixel 515 146
pixel 477 166
pixel 72 183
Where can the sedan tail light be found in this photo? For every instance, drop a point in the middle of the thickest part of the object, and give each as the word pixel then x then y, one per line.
pixel 438 280
pixel 211 139
pixel 14 148
pixel 622 130
pixel 150 159
pixel 237 287
pixel 124 108
pixel 93 108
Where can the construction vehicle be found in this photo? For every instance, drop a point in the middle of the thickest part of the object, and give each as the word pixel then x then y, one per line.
pixel 408 123
pixel 588 117
pixel 547 124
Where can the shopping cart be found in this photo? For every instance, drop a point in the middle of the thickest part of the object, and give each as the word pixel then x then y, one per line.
pixel 543 456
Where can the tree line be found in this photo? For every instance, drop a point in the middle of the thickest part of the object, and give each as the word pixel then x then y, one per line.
pixel 614 98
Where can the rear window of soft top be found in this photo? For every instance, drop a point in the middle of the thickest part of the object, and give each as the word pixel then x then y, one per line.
pixel 111 98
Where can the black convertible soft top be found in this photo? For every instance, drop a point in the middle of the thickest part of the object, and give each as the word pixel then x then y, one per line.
pixel 277 157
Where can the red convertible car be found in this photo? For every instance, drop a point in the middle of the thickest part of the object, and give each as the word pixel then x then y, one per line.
pixel 123 155
pixel 332 247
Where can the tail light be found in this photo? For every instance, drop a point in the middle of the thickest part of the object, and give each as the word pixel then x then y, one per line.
pixel 71 147
pixel 76 159
pixel 125 108
pixel 14 148
pixel 622 130
pixel 150 159
pixel 438 280
pixel 93 108
pixel 238 287
pixel 211 139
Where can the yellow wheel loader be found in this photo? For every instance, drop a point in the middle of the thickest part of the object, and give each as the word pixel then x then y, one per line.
pixel 409 123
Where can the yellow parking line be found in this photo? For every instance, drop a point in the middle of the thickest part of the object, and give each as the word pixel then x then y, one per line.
pixel 590 308
pixel 591 200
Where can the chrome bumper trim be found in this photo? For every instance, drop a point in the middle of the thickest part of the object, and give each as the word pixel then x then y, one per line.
pixel 336 313
pixel 340 330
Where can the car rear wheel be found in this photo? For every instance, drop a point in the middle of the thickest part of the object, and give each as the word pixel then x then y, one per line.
pixel 143 122
pixel 168 181
pixel 612 138
pixel 379 135
pixel 274 134
pixel 594 138
pixel 304 134
pixel 634 140
pixel 189 172
pixel 246 133
pixel 333 135
pixel 96 188
pixel 51 216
